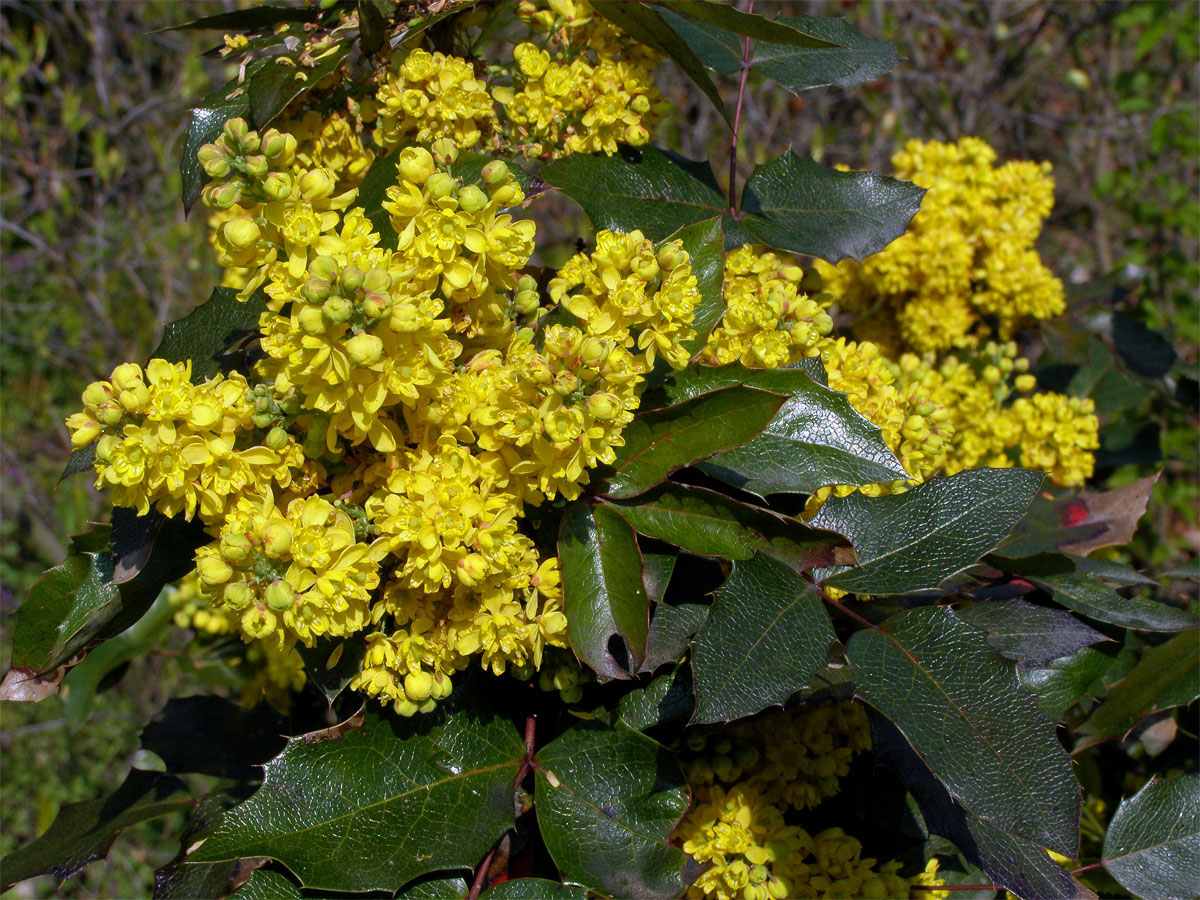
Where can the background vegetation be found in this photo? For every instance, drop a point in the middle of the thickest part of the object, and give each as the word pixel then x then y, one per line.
pixel 97 257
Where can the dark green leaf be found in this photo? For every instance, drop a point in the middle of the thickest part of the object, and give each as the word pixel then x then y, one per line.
pixel 649 189
pixel 718 48
pixel 194 881
pixel 1153 842
pixel 372 191
pixel 642 23
pixel 765 636
pixel 435 887
pixel 1189 570
pixel 80 460
pixel 74 603
pixel 227 102
pixel 469 167
pixel 270 87
pixel 963 710
pixel 373 17
pixel 607 799
pixel 1093 598
pixel 1145 351
pixel 1082 523
pixel 1030 635
pixel 789 32
pixel 212 736
pixel 1051 562
pixel 817 438
pixel 386 802
pixel 332 663
pixel 705 245
pixel 204 334
pixel 1008 859
pixel 917 539
pixel 533 889
pixel 83 832
pixel 603 592
pixel 1164 677
pixel 801 206
pixel 265 884
pixel 153 547
pixel 667 698
pixel 857 61
pixel 672 627
pixel 258 18
pixel 1064 682
pixel 661 441
pixel 657 569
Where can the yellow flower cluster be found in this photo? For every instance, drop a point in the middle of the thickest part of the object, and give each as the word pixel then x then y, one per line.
pixel 753 776
pixel 163 441
pixel 966 258
pixel 426 96
pixel 769 319
pixel 333 143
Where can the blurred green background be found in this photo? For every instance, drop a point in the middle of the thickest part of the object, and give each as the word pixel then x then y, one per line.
pixel 97 257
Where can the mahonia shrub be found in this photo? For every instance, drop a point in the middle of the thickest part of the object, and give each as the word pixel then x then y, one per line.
pixel 740 556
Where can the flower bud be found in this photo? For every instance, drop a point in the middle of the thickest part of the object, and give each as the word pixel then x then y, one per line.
pixel 364 349
pixel 258 623
pixel 445 151
pixel 315 184
pixel 526 302
pixel 210 153
pixel 274 144
pixel 311 320
pixel 218 168
pixel 221 196
pixel 508 194
pixel 241 234
pixel 418 686
pixel 566 383
pixel 442 686
pixel 83 430
pixel 257 167
pixel 377 280
pixel 670 255
pixel 603 405
pixel 593 352
pixel 337 309
pixel 213 571
pixel 495 173
pixel 234 130
pixel 1025 382
pixel 416 165
pixel 135 398
pixel 636 135
pixel 351 279
pixel 105 448
pixel 406 708
pixel 277 438
pixel 471 569
pixel 471 199
pixel 238 594
pixel 277 186
pixel 110 413
pixel 235 547
pixel 640 104
pixel 526 283
pixel 316 290
pixel 96 393
pixel 440 185
pixel 279 595
pixel 263 420
pixel 277 539
pixel 376 306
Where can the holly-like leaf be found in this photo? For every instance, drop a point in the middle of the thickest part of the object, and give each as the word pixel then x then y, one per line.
pixel 816 439
pixel 963 710
pixel 229 101
pixel 643 23
pixel 1032 636
pixel 1165 677
pixel 271 87
pixel 1063 682
pixel 801 206
pixel 212 736
pixel 1009 859
pixel 204 334
pixel 83 832
pixel 1052 562
pixel 386 802
pixel 705 246
pixel 603 593
pixel 667 698
pixel 435 887
pixel 256 18
pixel 655 191
pixel 607 799
pixel 672 627
pixel 533 889
pixel 373 20
pixel 917 539
pixel 265 884
pixel 766 634
pixel 1153 842
pixel 1082 523
pixel 1093 598
pixel 789 32
pixel 332 663
pixel 660 441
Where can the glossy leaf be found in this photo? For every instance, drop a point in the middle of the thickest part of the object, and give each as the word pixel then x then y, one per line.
pixel 387 801
pixel 373 21
pixel 816 439
pixel 643 23
pixel 660 441
pixel 964 712
pixel 607 799
pixel 667 698
pixel 533 889
pixel 212 736
pixel 789 32
pixel 83 832
pixel 372 191
pixel 1030 635
pixel 1164 677
pixel 265 884
pixel 1063 682
pixel 271 87
pixel 603 593
pixel 1008 859
pixel 257 18
pixel 469 167
pixel 917 539
pixel 799 205
pixel 435 887
pixel 655 191
pixel 1081 523
pixel 1153 842
pixel 1052 562
pixel 766 634
pixel 1093 598
pixel 672 627
pixel 332 663
pixel 204 334
pixel 705 245
pixel 208 118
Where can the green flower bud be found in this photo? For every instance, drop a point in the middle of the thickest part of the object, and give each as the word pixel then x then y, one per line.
pixel 337 309
pixel 495 173
pixel 324 267
pixel 241 234
pixel 636 135
pixel 221 196
pixel 364 349
pixel 351 279
pixel 507 194
pixel 279 595
pixel 277 539
pixel 235 129
pixel 238 594
pixel 526 302
pixel 640 104
pixel 526 283
pixel 235 547
pixel 377 280
pixel 316 184
pixel 670 255
pixel 213 571
pixel 257 167
pixel 218 168
pixel 316 290
pixel 277 438
pixel 442 686
pixel 445 151
pixel 105 448
pixel 210 153
pixel 311 320
pixel 277 186
pixel 376 306
pixel 441 185
pixel 418 686
pixel 263 420
pixel 274 144
pixel 471 199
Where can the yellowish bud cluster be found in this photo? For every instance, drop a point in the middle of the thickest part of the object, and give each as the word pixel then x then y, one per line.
pixel 180 447
pixel 968 254
pixel 333 143
pixel 426 96
pixel 770 319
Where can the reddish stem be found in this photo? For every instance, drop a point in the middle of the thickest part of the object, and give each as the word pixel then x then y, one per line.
pixel 481 875
pixel 1088 867
pixel 527 760
pixel 747 57
pixel 846 611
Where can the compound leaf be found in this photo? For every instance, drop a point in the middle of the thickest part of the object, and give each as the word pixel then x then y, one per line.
pixel 607 799
pixel 789 32
pixel 1063 682
pixel 705 246
pixel 1153 842
pixel 1093 598
pixel 1030 635
pixel 964 712
pixel 386 802
pixel 917 539
pixel 204 334
pixel 766 634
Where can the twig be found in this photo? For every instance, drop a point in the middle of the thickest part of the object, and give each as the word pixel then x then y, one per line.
pixel 481 875
pixel 845 610
pixel 747 58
